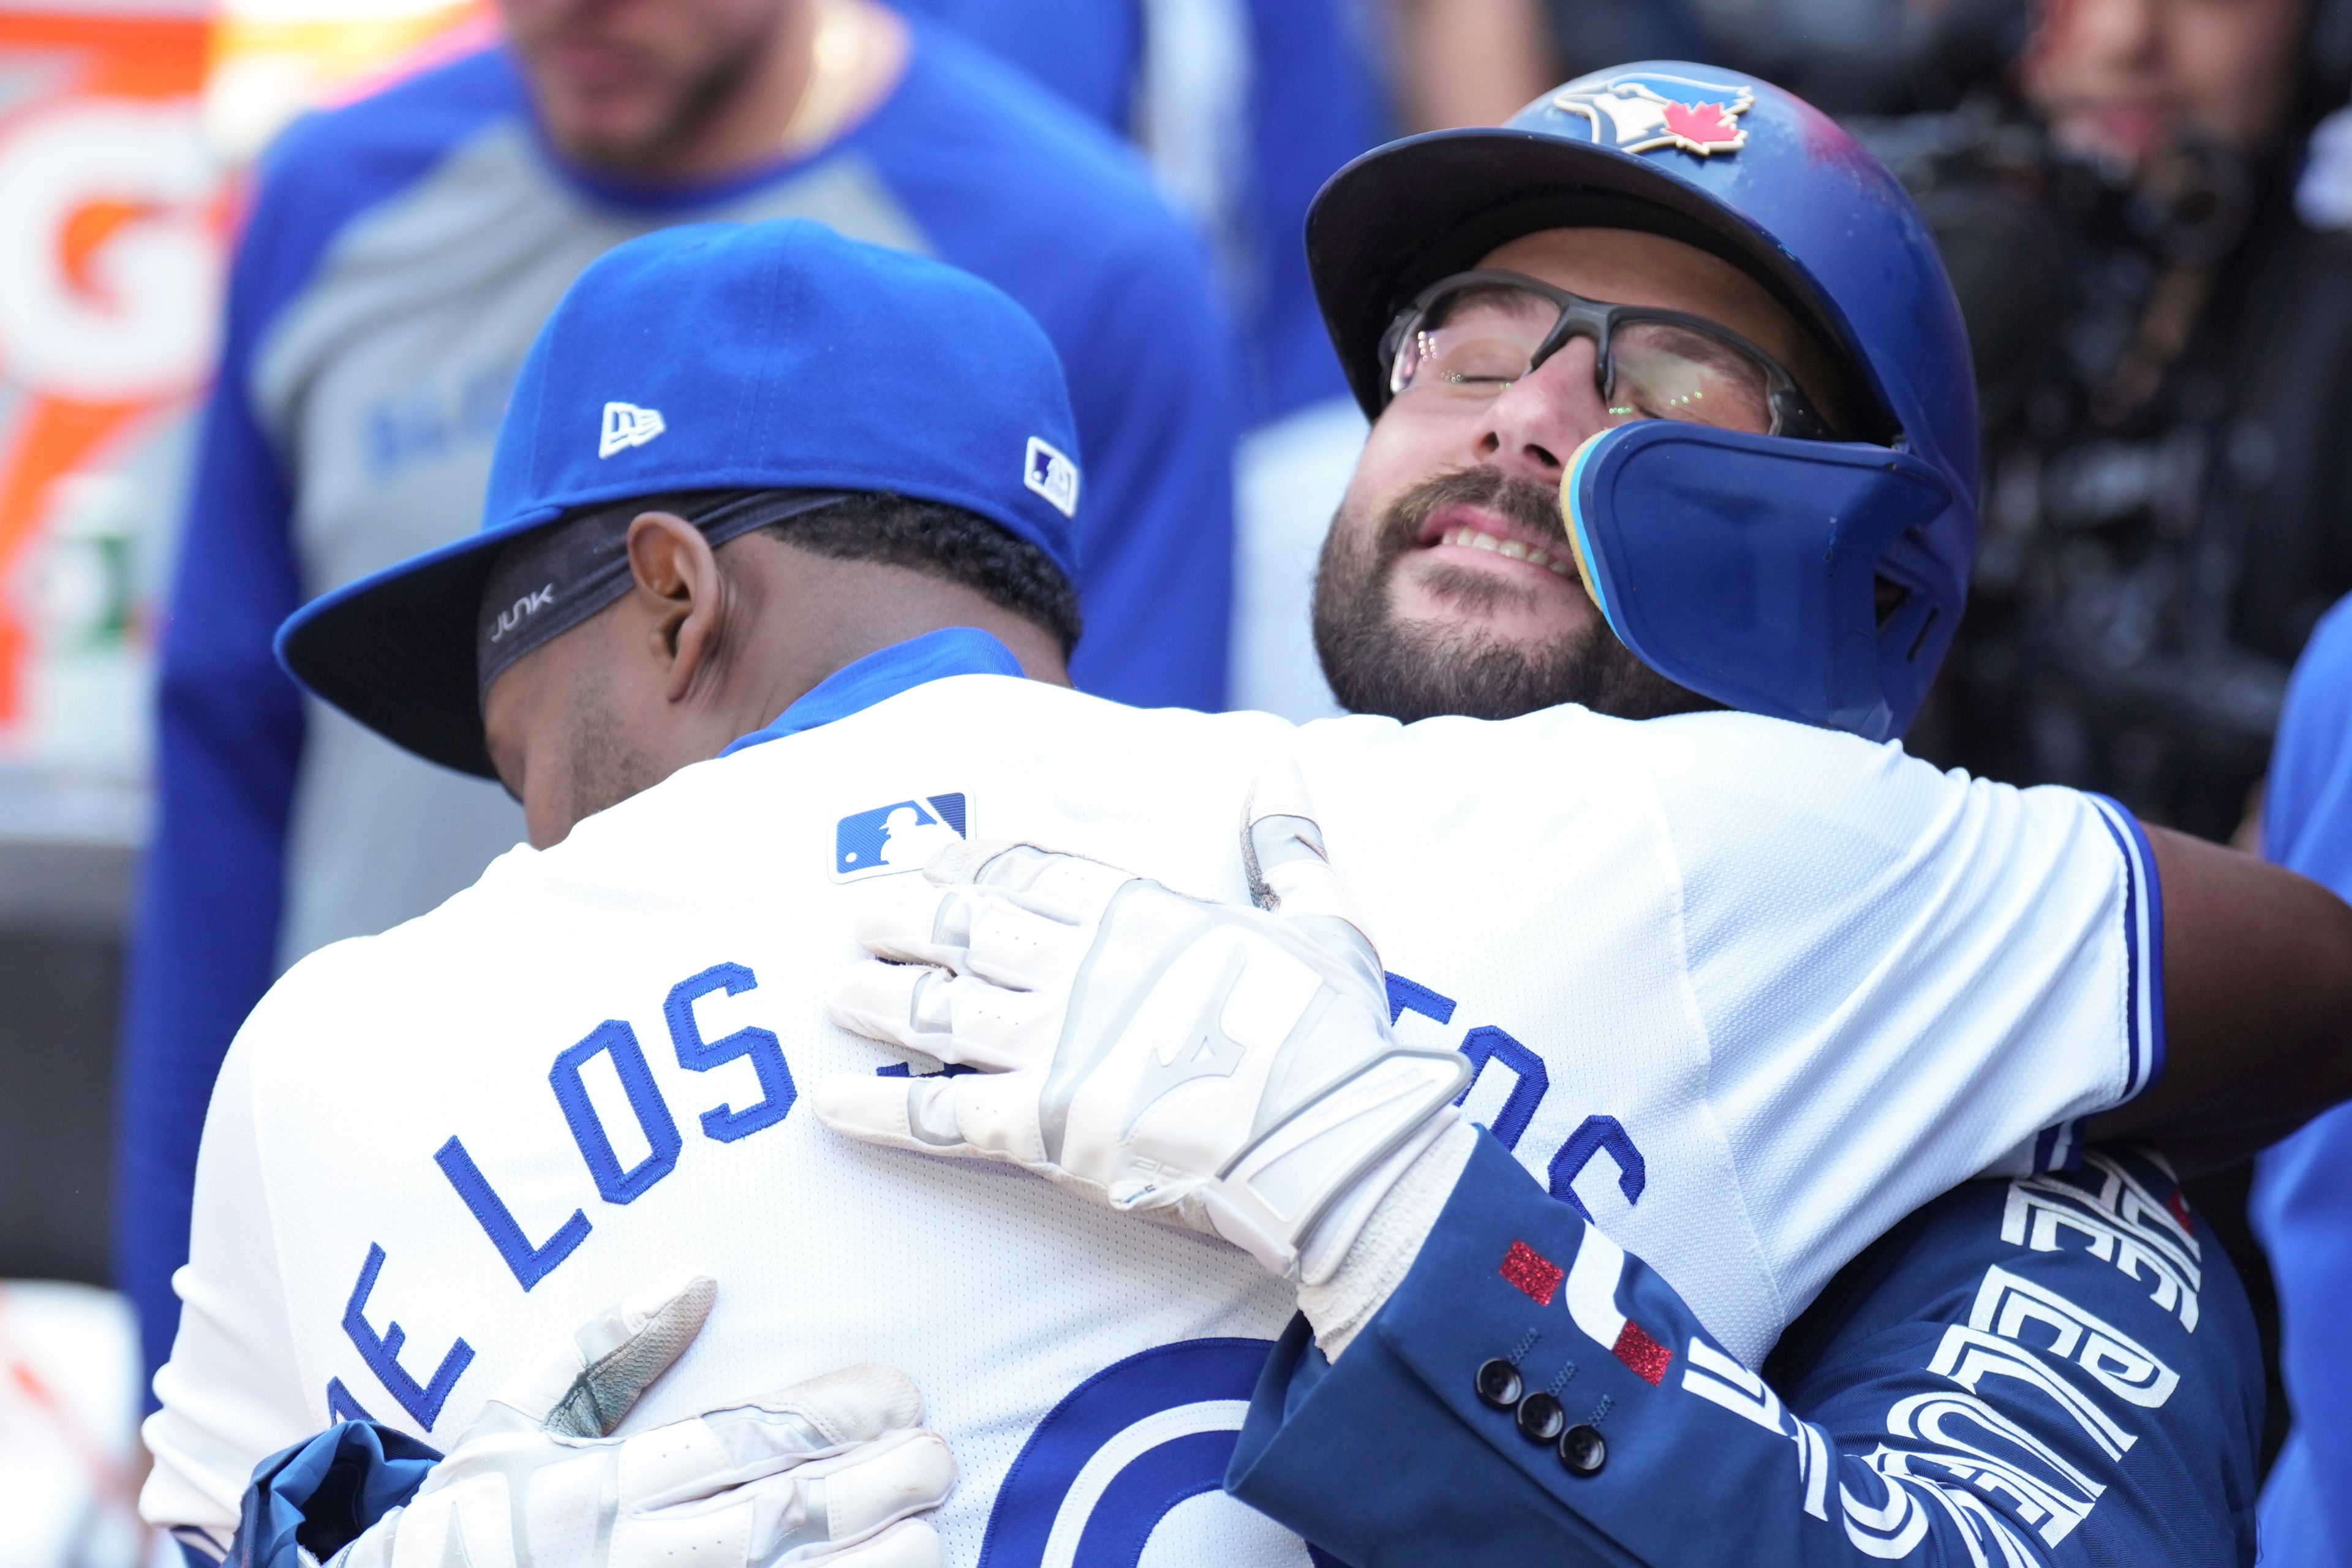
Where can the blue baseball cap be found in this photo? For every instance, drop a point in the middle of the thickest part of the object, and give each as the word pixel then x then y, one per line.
pixel 737 357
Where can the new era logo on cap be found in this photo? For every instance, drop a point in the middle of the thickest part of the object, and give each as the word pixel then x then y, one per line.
pixel 1051 474
pixel 627 426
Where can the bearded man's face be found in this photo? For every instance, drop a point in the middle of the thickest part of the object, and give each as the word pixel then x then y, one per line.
pixel 1459 596
pixel 1447 584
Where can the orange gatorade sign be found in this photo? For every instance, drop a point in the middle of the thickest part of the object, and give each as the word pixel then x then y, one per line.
pixel 109 266
pixel 122 128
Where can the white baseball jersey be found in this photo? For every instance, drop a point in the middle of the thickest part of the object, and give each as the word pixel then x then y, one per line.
pixel 1747 992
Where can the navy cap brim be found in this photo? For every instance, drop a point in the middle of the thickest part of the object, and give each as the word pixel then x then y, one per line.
pixel 1402 216
pixel 397 651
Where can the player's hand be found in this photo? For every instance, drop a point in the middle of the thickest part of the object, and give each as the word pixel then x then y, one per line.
pixel 1226 1068
pixel 828 1471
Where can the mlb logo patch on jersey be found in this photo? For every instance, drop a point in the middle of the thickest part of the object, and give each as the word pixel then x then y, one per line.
pixel 1644 113
pixel 627 426
pixel 1049 471
pixel 900 837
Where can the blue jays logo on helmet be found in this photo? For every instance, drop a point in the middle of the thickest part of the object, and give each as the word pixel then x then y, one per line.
pixel 1639 113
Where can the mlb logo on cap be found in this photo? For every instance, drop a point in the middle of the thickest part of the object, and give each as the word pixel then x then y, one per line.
pixel 900 837
pixel 1052 475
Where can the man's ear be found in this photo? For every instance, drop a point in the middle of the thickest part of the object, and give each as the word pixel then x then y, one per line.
pixel 677 577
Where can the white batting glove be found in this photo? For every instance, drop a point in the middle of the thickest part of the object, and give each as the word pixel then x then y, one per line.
pixel 1225 1067
pixel 828 1471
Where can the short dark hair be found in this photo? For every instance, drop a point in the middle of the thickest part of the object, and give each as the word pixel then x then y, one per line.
pixel 945 542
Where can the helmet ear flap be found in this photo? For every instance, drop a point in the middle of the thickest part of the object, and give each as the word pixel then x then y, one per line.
pixel 1748 568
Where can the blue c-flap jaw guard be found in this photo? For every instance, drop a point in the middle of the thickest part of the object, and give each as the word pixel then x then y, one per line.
pixel 1748 568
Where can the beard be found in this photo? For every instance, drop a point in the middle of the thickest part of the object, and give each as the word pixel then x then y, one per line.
pixel 1379 663
pixel 697 93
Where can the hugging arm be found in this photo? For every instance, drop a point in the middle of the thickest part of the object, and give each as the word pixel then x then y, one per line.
pixel 2257 1006
pixel 1519 1388
pixel 1529 1393
pixel 1518 1383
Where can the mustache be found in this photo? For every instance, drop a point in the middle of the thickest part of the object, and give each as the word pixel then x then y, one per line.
pixel 1532 506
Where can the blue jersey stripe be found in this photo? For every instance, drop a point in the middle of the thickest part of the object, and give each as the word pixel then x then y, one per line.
pixel 2143 944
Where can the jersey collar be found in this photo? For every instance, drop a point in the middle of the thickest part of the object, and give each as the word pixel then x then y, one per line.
pixel 854 688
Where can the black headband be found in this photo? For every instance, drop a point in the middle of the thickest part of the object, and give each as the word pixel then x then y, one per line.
pixel 551 579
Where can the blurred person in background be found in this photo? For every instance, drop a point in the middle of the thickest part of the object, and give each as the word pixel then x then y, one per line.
pixel 1471 62
pixel 2164 346
pixel 1244 107
pixel 399 256
pixel 2302 1205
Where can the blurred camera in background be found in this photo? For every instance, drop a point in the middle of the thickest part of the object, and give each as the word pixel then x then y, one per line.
pixel 2164 345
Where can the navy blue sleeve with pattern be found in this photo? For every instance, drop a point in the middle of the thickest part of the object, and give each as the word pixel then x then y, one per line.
pixel 2059 1369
